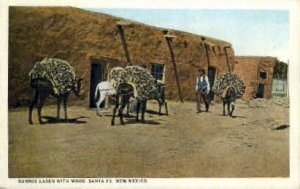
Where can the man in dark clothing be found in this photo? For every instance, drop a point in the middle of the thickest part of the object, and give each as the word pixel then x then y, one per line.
pixel 202 90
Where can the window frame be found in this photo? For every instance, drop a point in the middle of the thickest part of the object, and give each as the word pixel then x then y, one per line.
pixel 260 72
pixel 157 73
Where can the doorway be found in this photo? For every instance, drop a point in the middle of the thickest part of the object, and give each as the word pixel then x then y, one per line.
pixel 260 91
pixel 211 78
pixel 96 77
pixel 100 68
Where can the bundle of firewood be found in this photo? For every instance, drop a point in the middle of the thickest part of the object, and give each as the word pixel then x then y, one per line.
pixel 59 72
pixel 140 78
pixel 226 80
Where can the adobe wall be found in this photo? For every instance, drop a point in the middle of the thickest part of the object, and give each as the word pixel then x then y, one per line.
pixel 76 36
pixel 249 69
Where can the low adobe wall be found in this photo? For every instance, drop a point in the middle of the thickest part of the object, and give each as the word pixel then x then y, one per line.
pixel 252 70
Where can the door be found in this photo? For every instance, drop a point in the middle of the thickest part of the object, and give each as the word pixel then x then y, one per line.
pixel 96 77
pixel 260 91
pixel 211 78
pixel 100 68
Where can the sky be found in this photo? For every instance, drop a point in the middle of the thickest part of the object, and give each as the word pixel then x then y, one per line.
pixel 251 32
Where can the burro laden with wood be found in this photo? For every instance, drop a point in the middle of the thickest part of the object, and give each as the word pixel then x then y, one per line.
pixel 229 87
pixel 137 82
pixel 53 77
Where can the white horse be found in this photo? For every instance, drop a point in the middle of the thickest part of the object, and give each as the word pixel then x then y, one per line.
pixel 105 89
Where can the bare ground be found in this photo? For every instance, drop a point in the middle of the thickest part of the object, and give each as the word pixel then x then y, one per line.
pixel 184 144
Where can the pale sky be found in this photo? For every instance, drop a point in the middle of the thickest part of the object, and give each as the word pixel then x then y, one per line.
pixel 251 32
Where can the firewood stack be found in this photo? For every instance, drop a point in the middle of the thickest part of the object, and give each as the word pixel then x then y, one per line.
pixel 140 78
pixel 226 80
pixel 59 72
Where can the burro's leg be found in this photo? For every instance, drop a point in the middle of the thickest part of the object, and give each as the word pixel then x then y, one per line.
pixel 114 111
pixel 232 108
pixel 40 106
pixel 59 100
pixel 66 107
pixel 34 101
pixel 144 107
pixel 228 108
pixel 99 102
pixel 159 108
pixel 138 107
pixel 224 103
pixel 127 109
pixel 121 109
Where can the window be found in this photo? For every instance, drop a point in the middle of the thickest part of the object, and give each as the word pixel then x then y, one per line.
pixel 157 71
pixel 262 75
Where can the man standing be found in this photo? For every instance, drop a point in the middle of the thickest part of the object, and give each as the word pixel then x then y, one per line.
pixel 202 90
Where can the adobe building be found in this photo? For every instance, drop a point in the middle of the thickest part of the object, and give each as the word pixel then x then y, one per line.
pixel 93 43
pixel 257 72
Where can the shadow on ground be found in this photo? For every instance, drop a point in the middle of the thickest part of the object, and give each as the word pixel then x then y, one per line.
pixel 239 117
pixel 234 116
pixel 155 112
pixel 131 121
pixel 54 120
pixel 281 127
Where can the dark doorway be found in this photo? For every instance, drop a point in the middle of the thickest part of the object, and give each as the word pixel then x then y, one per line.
pixel 96 77
pixel 100 68
pixel 211 78
pixel 260 91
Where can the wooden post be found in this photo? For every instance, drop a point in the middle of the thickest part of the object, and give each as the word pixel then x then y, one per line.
pixel 207 55
pixel 227 60
pixel 169 39
pixel 120 25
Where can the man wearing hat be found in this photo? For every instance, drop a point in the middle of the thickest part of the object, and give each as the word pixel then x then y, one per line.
pixel 202 90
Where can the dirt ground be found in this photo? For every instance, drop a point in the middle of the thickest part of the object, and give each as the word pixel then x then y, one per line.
pixel 184 144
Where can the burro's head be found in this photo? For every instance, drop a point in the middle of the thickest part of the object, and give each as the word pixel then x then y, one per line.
pixel 76 86
pixel 157 93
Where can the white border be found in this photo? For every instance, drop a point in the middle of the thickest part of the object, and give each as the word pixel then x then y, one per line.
pixel 294 75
